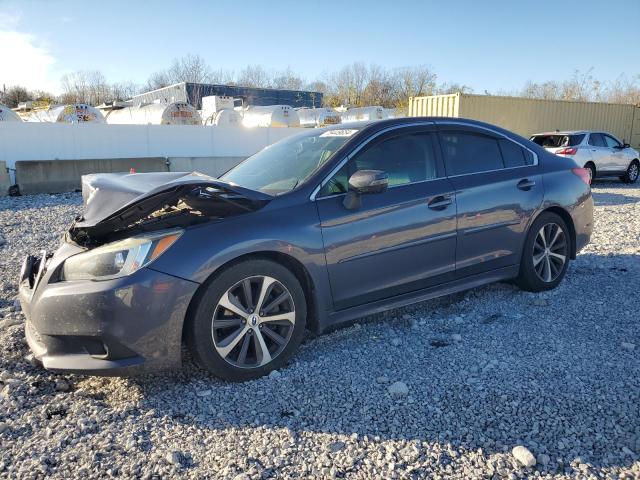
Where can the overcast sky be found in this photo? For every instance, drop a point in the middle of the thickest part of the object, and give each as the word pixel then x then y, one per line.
pixel 488 45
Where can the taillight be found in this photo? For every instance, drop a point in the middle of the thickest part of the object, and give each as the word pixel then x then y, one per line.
pixel 567 151
pixel 584 174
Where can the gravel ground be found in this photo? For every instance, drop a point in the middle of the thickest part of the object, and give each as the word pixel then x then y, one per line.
pixel 446 388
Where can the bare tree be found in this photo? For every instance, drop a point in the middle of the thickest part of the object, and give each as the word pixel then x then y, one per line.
pixel 449 88
pixel 287 80
pixel 189 68
pixel 381 88
pixel 413 82
pixel 581 86
pixel 14 95
pixel 124 91
pixel 254 76
pixel 223 77
pixel 85 86
pixel 623 90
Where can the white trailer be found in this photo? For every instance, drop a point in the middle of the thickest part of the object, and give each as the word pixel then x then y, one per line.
pixel 271 116
pixel 224 117
pixel 176 113
pixel 72 113
pixel 360 114
pixel 317 117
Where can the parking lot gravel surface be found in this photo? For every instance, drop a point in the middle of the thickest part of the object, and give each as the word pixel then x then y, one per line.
pixel 491 383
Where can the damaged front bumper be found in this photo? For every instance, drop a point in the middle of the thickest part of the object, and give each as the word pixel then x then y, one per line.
pixel 122 326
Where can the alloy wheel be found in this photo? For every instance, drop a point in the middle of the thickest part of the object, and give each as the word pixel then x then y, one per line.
pixel 633 172
pixel 253 322
pixel 549 252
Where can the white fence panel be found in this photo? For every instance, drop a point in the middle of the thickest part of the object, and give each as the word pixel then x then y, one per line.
pixel 50 141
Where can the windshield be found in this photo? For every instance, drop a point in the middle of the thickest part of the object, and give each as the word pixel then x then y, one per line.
pixel 283 166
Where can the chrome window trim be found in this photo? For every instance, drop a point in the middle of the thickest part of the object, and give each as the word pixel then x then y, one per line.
pixel 312 197
pixel 535 163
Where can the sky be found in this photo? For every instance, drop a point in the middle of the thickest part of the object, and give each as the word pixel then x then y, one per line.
pixel 495 46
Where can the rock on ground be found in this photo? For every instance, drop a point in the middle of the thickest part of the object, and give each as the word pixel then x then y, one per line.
pixel 523 456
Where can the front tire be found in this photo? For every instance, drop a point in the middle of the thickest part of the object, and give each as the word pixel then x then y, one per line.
pixel 545 256
pixel 632 173
pixel 248 320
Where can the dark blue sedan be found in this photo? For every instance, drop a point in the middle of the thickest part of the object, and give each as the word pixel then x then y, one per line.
pixel 318 229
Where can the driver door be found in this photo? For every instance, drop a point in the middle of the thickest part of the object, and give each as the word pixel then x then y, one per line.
pixel 398 241
pixel 617 159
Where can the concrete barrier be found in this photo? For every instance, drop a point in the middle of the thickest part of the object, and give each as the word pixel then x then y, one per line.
pixel 214 166
pixel 4 179
pixel 56 176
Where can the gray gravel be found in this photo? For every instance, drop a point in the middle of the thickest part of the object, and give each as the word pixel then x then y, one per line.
pixel 478 385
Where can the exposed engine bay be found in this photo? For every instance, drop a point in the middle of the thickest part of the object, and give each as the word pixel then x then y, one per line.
pixel 121 205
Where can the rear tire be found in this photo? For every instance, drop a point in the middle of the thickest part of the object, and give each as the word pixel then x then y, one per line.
pixel 546 252
pixel 592 170
pixel 632 173
pixel 247 321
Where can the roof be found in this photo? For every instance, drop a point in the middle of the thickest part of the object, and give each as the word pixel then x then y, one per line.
pixel 564 132
pixel 185 84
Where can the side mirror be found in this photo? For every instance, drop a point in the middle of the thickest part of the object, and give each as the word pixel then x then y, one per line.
pixel 365 182
pixel 625 145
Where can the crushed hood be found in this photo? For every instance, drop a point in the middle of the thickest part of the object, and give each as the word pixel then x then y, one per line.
pixel 119 202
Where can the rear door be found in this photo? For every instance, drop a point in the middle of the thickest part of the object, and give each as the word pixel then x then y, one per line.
pixel 398 241
pixel 600 153
pixel 498 188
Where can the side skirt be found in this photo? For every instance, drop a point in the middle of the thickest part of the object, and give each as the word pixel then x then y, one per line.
pixel 341 316
pixel 609 173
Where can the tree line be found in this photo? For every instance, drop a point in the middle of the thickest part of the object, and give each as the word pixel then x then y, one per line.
pixel 354 85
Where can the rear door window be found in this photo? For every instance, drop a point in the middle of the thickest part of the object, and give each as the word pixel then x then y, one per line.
pixel 596 140
pixel 470 152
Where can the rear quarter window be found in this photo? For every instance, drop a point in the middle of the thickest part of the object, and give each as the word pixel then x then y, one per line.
pixel 512 154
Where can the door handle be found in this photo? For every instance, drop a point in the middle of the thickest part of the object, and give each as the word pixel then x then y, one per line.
pixel 526 184
pixel 440 202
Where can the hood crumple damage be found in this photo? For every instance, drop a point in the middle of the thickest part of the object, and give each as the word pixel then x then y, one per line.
pixel 118 205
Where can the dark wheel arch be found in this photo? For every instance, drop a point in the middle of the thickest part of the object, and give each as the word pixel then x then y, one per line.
pixel 626 178
pixel 292 264
pixel 592 168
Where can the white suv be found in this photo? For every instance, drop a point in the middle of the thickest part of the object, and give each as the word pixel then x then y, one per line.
pixel 602 153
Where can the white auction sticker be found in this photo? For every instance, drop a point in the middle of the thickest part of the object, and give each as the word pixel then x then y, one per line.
pixel 339 133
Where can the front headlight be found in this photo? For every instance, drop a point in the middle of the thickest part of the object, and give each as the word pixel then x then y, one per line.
pixel 120 258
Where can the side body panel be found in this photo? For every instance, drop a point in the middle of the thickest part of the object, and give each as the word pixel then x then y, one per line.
pixel 288 228
pixel 392 244
pixel 493 216
pixel 494 207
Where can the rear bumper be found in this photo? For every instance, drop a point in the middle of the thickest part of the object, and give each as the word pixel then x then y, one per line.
pixel 124 326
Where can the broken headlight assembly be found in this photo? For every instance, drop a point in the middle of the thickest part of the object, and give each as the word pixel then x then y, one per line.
pixel 118 259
